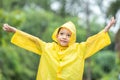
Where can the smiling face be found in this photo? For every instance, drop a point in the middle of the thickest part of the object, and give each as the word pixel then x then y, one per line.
pixel 63 36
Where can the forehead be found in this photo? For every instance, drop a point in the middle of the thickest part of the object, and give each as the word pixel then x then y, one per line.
pixel 64 29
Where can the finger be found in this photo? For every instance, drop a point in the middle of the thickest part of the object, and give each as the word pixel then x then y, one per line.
pixel 4 29
pixel 112 17
pixel 113 20
pixel 5 25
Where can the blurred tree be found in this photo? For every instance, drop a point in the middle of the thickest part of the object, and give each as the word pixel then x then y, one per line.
pixel 103 64
pixel 16 65
pixel 88 31
pixel 62 11
pixel 113 9
pixel 18 4
pixel 15 18
pixel 117 45
pixel 12 4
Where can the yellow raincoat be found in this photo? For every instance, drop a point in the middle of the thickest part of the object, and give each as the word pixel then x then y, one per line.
pixel 61 63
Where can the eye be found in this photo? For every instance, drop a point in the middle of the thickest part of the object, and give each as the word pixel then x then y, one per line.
pixel 61 33
pixel 69 35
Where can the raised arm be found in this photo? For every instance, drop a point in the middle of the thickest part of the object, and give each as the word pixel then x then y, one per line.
pixel 98 41
pixel 110 24
pixel 9 28
pixel 25 40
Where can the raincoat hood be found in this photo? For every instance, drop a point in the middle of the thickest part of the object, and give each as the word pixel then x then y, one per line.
pixel 69 25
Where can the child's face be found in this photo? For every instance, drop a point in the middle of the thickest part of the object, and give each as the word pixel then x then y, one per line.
pixel 63 37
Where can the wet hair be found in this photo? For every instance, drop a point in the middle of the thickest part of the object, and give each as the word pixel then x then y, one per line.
pixel 59 30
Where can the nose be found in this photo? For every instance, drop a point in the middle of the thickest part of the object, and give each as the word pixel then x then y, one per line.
pixel 64 36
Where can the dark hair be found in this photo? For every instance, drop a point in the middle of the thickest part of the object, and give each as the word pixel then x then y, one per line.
pixel 59 30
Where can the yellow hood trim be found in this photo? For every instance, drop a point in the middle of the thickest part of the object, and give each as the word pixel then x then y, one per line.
pixel 69 25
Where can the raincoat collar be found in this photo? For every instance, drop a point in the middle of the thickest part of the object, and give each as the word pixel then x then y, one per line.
pixel 69 25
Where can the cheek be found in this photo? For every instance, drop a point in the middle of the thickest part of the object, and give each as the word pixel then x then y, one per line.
pixel 57 37
pixel 69 39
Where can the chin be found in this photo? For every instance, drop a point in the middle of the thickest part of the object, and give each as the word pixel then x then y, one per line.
pixel 64 45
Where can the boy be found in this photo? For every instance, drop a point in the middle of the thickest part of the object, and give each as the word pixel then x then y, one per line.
pixel 63 59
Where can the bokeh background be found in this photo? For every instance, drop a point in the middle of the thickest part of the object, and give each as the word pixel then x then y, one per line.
pixel 41 17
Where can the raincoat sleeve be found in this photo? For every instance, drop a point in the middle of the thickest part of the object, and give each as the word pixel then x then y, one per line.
pixel 28 42
pixel 96 43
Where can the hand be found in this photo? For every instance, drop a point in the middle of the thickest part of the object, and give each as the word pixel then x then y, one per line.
pixel 112 21
pixel 9 28
pixel 110 24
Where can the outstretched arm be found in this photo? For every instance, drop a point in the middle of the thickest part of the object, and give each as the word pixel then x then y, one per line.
pixel 98 41
pixel 110 24
pixel 9 28
pixel 25 40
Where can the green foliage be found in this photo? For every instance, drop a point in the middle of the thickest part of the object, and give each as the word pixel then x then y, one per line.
pixel 106 60
pixel 12 4
pixel 113 8
pixel 18 4
pixel 104 65
pixel 16 64
pixel 13 18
